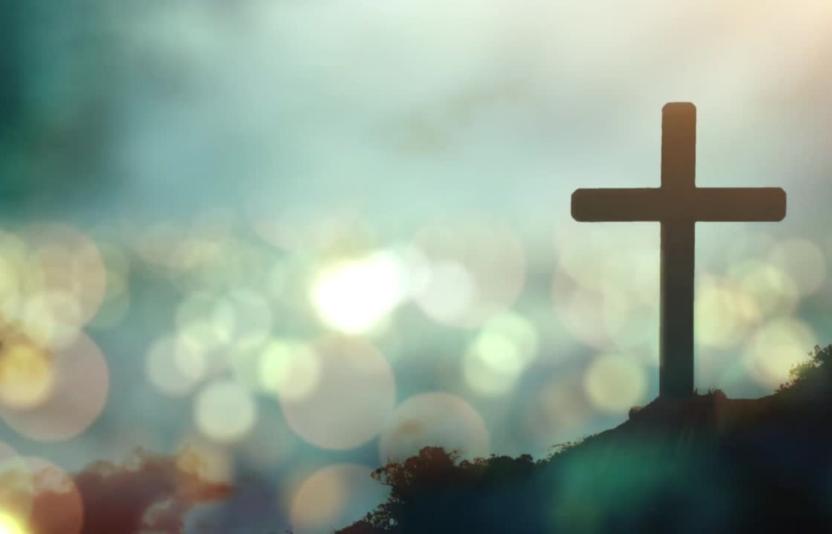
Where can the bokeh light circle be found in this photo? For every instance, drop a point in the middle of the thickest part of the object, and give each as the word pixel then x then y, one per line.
pixel 251 318
pixel 434 419
pixel 174 367
pixel 615 383
pixel 776 348
pixel 581 311
pixel 117 299
pixel 449 294
pixel 354 395
pixel 498 355
pixel 475 269
pixel 53 318
pixel 724 313
pixel 608 303
pixel 335 496
pixel 27 373
pixel 579 253
pixel 225 411
pixel 205 321
pixel 773 291
pixel 70 263
pixel 78 397
pixel 289 368
pixel 559 411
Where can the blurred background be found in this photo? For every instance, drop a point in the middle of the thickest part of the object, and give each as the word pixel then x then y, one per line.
pixel 300 239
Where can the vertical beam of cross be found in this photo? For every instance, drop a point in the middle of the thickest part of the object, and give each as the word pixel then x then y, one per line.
pixel 678 204
pixel 678 245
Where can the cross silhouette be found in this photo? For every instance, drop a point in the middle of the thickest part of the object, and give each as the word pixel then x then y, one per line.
pixel 678 204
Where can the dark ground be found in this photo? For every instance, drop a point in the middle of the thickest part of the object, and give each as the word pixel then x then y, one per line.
pixel 704 464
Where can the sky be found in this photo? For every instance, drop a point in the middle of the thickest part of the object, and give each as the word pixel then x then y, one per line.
pixel 302 238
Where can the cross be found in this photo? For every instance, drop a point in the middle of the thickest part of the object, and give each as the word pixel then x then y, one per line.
pixel 678 204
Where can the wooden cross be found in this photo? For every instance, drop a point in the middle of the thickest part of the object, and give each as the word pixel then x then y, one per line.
pixel 678 204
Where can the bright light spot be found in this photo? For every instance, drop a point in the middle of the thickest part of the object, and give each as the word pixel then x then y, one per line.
pixel 492 364
pixel 776 348
pixel 353 399
pixel 10 525
pixel 355 296
pixel 16 484
pixel 499 354
pixel 516 328
pixel 225 411
pixel 26 374
pixel 174 367
pixel 614 383
pixel 289 369
pixel 434 419
pixel 335 496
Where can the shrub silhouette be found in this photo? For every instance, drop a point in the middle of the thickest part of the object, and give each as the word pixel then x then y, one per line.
pixel 816 372
pixel 704 464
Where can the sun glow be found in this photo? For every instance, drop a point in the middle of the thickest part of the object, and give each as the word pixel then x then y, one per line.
pixel 355 296
pixel 10 525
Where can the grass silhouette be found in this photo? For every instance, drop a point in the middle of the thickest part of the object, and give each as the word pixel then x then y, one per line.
pixel 703 464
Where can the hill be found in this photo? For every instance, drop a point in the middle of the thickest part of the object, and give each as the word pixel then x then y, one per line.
pixel 703 464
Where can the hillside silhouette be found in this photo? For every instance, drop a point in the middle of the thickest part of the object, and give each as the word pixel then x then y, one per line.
pixel 703 464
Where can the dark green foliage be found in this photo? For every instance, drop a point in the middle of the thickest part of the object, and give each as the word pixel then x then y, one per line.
pixel 704 464
pixel 816 370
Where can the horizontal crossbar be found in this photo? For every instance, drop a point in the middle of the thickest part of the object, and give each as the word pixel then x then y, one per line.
pixel 698 204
